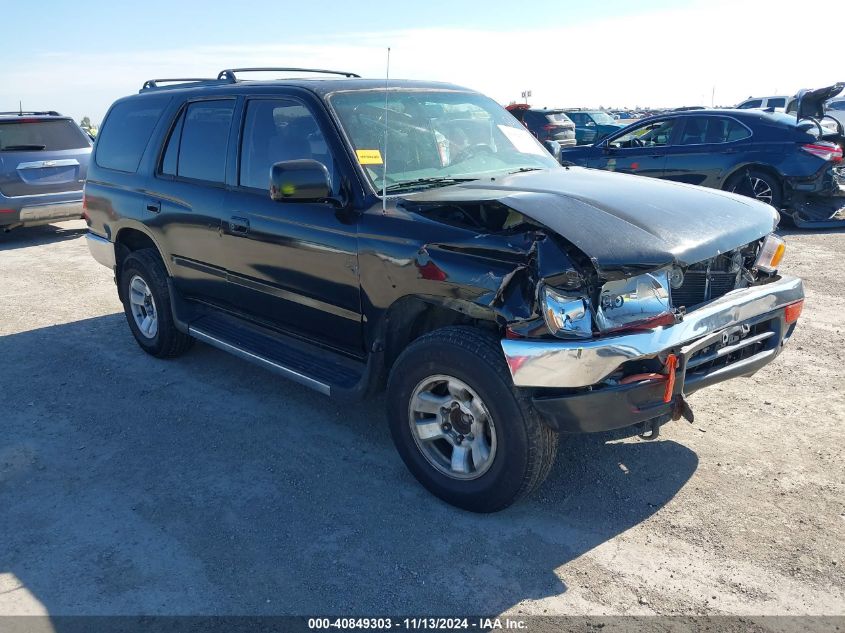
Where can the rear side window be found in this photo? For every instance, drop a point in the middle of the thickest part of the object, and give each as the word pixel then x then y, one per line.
pixel 126 132
pixel 199 141
pixel 701 130
pixel 754 103
pixel 34 135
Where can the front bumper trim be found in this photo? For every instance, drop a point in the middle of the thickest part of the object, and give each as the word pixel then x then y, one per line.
pixel 573 364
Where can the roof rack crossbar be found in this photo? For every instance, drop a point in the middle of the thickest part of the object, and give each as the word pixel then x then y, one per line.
pixel 154 83
pixel 229 73
pixel 30 112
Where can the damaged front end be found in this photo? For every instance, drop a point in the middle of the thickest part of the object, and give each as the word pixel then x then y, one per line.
pixel 615 305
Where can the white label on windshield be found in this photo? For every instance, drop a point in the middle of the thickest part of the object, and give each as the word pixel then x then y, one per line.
pixel 522 140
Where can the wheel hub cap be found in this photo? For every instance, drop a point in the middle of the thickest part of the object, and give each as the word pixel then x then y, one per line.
pixel 452 427
pixel 143 307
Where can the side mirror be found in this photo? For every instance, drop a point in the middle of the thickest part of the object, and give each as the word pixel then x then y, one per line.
pixel 302 180
pixel 590 124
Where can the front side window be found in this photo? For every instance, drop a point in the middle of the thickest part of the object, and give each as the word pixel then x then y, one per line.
pixel 199 141
pixel 602 118
pixel 277 130
pixel 776 103
pixel 654 134
pixel 434 136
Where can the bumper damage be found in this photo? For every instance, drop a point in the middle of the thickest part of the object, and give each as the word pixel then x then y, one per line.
pixel 577 384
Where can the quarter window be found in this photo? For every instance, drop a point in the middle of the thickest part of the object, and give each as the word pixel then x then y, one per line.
pixel 277 130
pixel 127 131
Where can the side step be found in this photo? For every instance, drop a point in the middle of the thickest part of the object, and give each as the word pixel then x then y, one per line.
pixel 312 366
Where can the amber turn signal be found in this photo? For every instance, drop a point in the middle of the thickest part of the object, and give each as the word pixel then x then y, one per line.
pixel 793 311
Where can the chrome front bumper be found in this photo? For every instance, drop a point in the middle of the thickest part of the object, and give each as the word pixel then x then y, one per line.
pixel 581 363
pixel 102 250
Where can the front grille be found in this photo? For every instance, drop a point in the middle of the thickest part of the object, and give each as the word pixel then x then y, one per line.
pixel 696 290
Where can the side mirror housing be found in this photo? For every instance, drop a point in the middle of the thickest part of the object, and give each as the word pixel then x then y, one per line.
pixel 302 180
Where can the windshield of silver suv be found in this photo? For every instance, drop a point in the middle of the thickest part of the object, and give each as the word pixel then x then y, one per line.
pixel 434 138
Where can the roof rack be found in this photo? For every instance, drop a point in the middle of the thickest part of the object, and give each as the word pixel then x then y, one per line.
pixel 30 113
pixel 229 73
pixel 154 83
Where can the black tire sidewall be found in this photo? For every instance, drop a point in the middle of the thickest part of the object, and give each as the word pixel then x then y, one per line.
pixel 132 266
pixel 501 484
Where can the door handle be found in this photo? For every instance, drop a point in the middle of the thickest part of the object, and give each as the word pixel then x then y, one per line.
pixel 154 207
pixel 239 226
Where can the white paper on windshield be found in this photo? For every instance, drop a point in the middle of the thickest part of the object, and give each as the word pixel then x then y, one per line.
pixel 522 140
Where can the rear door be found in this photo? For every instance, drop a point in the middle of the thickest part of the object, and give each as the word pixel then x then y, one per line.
pixel 186 199
pixel 42 156
pixel 707 148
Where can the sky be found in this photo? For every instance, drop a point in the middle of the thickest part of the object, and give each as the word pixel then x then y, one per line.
pixel 79 57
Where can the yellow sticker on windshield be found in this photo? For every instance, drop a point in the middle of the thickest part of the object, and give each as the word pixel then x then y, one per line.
pixel 369 156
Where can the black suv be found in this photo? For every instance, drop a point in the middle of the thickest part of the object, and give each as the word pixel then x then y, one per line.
pixel 552 128
pixel 43 162
pixel 350 235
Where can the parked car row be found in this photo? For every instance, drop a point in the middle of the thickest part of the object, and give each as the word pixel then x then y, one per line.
pixel 790 160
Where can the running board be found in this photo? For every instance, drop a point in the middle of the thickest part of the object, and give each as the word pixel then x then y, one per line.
pixel 306 364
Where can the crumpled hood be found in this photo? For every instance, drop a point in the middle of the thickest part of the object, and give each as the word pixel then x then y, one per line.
pixel 623 223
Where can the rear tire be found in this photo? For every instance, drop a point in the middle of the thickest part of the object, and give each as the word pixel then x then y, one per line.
pixel 146 303
pixel 757 184
pixel 506 450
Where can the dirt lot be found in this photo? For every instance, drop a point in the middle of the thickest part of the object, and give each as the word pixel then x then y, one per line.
pixel 205 485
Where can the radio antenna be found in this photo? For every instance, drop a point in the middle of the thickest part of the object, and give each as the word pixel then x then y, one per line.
pixel 384 158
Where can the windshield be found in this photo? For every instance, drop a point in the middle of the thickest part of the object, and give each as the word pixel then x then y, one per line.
pixel 602 118
pixel 434 137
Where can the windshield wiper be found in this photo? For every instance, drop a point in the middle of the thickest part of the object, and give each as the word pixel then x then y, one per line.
pixel 22 148
pixel 524 169
pixel 434 181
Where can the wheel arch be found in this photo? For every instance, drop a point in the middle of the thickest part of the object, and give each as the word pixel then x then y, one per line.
pixel 764 167
pixel 412 316
pixel 129 239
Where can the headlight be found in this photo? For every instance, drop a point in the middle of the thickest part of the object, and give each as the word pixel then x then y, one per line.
pixel 636 300
pixel 567 316
pixel 770 254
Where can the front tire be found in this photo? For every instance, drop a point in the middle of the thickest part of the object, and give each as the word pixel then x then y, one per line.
pixel 461 427
pixel 146 303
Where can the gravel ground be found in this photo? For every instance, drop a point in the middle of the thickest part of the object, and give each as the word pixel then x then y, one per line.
pixel 205 485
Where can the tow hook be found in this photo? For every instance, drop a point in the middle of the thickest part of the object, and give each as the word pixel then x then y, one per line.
pixel 681 409
pixel 651 430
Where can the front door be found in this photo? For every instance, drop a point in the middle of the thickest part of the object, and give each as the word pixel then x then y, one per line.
pixel 640 151
pixel 293 264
